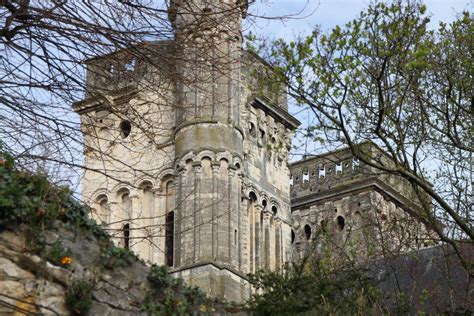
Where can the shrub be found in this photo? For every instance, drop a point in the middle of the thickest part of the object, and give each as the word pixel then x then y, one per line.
pixel 79 297
pixel 169 296
pixel 299 289
pixel 115 257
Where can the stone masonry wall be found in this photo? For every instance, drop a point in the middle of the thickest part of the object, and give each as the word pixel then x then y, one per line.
pixel 28 283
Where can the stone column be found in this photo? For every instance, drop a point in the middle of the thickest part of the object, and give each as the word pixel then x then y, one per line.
pixel 244 239
pixel 180 209
pixel 215 208
pixel 197 168
pixel 266 239
pixel 278 249
pixel 136 231
pixel 232 216
pixel 258 237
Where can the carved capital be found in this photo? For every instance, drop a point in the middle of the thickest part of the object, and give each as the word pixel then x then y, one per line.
pixel 215 165
pixel 197 166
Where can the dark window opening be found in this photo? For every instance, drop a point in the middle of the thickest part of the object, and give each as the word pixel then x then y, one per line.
pixel 307 232
pixel 293 236
pixel 125 128
pixel 253 197
pixel 274 210
pixel 169 241
pixel 262 134
pixel 341 222
pixel 251 129
pixel 126 236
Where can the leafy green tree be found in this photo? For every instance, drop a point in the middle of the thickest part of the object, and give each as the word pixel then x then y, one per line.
pixel 386 77
pixel 309 287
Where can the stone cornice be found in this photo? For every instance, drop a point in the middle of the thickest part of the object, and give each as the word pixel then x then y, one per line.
pixel 279 114
pixel 342 190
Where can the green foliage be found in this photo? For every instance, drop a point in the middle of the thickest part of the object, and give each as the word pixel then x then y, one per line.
pixel 29 198
pixel 57 253
pixel 79 297
pixel 114 257
pixel 312 290
pixel 169 296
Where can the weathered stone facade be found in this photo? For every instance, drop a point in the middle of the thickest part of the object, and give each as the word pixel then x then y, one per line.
pixel 338 200
pixel 192 156
pixel 187 157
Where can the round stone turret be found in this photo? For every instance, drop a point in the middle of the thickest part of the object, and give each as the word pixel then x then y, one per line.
pixel 208 39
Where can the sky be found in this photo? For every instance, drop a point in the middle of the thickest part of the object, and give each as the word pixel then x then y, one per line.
pixel 329 13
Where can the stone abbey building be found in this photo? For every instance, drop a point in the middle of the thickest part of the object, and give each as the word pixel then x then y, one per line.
pixel 186 159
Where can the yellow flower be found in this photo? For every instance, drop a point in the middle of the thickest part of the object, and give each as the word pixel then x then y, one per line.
pixel 65 261
pixel 202 308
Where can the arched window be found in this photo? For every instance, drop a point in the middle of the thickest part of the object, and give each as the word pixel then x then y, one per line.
pixel 274 210
pixel 252 129
pixel 341 222
pixel 102 206
pixel 169 241
pixel 147 198
pixel 293 237
pixel 126 203
pixel 307 231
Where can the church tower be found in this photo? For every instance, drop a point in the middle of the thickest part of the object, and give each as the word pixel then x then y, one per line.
pixel 209 218
pixel 186 151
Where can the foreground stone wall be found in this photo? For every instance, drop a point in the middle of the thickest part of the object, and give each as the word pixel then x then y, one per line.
pixel 31 284
pixel 28 283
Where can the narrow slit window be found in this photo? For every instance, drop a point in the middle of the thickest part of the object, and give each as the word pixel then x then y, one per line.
pixel 307 232
pixel 126 236
pixel 169 241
